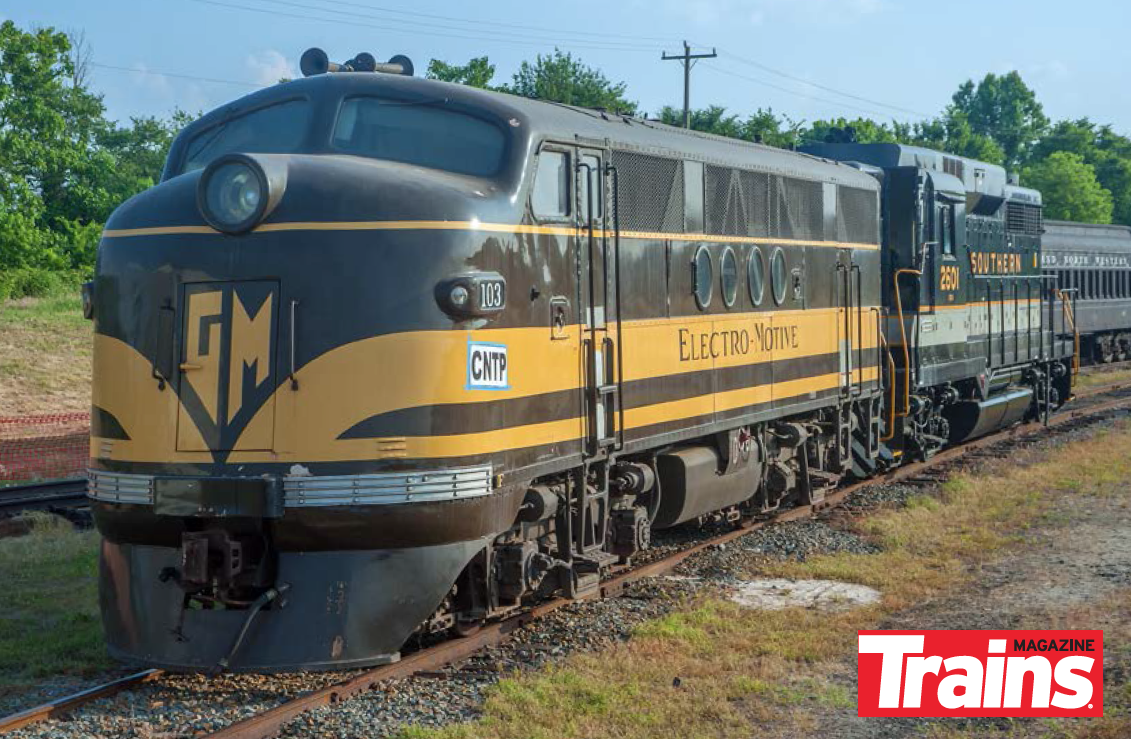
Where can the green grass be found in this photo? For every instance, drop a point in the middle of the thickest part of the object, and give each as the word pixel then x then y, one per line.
pixel 49 622
pixel 750 673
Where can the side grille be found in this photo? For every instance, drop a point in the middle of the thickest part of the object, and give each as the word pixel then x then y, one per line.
pixel 650 194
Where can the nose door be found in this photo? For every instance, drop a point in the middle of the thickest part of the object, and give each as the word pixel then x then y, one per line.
pixel 227 366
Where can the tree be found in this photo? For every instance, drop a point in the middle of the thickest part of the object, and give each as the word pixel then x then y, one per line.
pixel 47 127
pixel 476 73
pixel 844 131
pixel 1002 108
pixel 1069 187
pixel 712 119
pixel 766 127
pixel 1109 153
pixel 562 78
pixel 63 166
pixel 763 126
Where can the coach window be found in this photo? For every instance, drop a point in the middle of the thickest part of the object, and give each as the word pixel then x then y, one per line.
pixel 729 274
pixel 704 277
pixel 778 276
pixel 551 186
pixel 756 276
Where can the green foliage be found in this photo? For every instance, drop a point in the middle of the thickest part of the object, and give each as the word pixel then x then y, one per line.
pixel 1004 109
pixel 1107 152
pixel 38 282
pixel 764 126
pixel 476 73
pixel 63 166
pixel 1070 188
pixel 844 131
pixel 562 78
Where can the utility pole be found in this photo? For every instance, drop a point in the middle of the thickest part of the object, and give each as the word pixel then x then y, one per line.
pixel 688 60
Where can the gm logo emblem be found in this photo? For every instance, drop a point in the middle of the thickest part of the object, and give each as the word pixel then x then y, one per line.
pixel 227 365
pixel 487 366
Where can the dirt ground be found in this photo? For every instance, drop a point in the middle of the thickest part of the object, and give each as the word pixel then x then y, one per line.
pixel 1073 572
pixel 45 356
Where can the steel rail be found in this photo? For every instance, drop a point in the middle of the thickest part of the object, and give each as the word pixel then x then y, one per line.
pixel 68 493
pixel 61 705
pixel 271 721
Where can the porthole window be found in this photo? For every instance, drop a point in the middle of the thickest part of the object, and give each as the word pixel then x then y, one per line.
pixel 756 276
pixel 729 275
pixel 704 277
pixel 778 278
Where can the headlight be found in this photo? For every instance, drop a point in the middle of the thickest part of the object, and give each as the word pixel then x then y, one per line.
pixel 236 193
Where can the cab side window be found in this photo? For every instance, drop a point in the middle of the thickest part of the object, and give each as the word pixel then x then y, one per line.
pixel 551 197
pixel 946 229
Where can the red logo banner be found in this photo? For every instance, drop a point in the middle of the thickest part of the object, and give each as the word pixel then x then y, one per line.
pixel 980 673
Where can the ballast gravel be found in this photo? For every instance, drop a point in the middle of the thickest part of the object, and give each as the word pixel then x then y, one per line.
pixel 194 705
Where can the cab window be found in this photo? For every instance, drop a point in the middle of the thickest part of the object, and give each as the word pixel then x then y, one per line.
pixel 276 129
pixel 421 133
pixel 551 196
pixel 946 229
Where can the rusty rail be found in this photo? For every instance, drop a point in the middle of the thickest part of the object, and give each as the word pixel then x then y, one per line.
pixel 61 705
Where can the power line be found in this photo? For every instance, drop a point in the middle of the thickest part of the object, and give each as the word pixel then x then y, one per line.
pixel 835 103
pixel 819 86
pixel 493 35
pixel 176 75
pixel 497 24
pixel 506 39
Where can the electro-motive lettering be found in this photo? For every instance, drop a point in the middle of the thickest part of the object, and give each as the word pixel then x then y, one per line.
pixel 736 342
pixel 487 366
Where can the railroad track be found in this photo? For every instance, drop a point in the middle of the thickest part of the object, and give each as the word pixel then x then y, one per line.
pixel 43 496
pixel 269 722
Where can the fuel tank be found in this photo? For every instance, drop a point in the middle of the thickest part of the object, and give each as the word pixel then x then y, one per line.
pixel 693 482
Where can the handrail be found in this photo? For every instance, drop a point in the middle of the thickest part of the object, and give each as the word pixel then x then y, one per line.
pixel 890 434
pixel 1070 317
pixel 903 338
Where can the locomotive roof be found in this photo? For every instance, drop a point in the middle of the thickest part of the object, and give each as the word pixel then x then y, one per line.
pixel 1086 237
pixel 994 180
pixel 538 120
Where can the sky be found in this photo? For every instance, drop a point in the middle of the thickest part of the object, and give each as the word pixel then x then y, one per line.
pixel 807 59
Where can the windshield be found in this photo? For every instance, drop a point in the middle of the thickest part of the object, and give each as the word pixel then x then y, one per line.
pixel 419 133
pixel 276 129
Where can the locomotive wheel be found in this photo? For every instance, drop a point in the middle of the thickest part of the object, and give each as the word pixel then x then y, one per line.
pixel 464 629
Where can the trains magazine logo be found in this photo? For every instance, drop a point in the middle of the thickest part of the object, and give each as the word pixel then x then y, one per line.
pixel 980 673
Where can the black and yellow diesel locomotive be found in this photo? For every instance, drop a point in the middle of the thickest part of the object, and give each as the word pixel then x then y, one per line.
pixel 383 356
